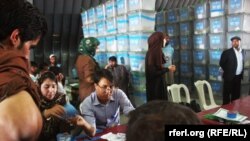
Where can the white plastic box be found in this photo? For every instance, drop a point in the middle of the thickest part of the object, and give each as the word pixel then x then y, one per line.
pixel 186 28
pixel 217 87
pixel 200 41
pixel 200 56
pixel 201 26
pixel 111 26
pixel 174 42
pixel 200 72
pixel 160 17
pixel 111 43
pixel 160 28
pixel 186 14
pixel 110 8
pixel 186 70
pixel 123 58
pixel 201 11
pixel 217 8
pixel 217 41
pixel 91 15
pixel 101 28
pixel 102 46
pixel 122 6
pixel 214 73
pixel 122 23
pixel 122 42
pixel 92 30
pixel 214 56
pixel 217 25
pixel 141 21
pixel 138 41
pixel 137 61
pixel 172 16
pixel 245 39
pixel 173 29
pixel 100 12
pixel 85 30
pixel 186 56
pixel 186 42
pixel 84 17
pixel 238 6
pixel 101 58
pixel 187 81
pixel 176 58
pixel 141 5
pixel 238 22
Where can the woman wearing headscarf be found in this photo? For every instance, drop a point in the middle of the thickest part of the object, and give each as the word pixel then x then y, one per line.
pixel 86 66
pixel 156 87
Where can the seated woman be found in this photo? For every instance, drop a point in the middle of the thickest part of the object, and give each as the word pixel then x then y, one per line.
pixel 53 111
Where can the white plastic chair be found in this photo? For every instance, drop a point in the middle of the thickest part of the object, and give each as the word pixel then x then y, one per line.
pixel 174 92
pixel 200 86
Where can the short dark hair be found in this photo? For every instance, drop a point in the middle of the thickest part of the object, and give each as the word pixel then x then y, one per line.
pixel 46 75
pixel 112 58
pixel 102 73
pixel 21 15
pixel 147 122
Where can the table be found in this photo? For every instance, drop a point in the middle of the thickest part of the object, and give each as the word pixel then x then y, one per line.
pixel 241 105
pixel 115 130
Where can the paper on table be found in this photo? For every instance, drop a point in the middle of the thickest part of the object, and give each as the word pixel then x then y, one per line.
pixel 114 137
pixel 222 113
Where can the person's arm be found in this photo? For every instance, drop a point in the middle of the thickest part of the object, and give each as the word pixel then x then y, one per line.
pixel 160 71
pixel 124 102
pixel 81 122
pixel 20 118
pixel 223 60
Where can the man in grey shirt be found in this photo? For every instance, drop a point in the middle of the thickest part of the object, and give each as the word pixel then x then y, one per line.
pixel 102 108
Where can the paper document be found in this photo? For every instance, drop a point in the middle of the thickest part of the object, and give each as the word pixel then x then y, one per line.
pixel 222 113
pixel 114 137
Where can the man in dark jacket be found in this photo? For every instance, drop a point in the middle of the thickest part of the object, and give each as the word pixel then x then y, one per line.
pixel 231 62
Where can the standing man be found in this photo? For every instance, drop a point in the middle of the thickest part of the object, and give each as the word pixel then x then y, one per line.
pixel 21 28
pixel 232 63
pixel 120 74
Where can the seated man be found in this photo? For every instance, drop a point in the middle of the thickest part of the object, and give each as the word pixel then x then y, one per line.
pixel 147 122
pixel 101 109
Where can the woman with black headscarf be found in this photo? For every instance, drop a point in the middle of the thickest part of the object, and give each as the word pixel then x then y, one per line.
pixel 156 87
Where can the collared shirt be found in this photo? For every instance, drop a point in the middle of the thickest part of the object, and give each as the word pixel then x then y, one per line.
pixel 239 57
pixel 105 115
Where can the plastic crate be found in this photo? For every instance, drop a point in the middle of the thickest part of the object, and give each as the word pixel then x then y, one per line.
pixel 245 42
pixel 141 21
pixel 186 70
pixel 85 30
pixel 123 58
pixel 92 29
pixel 122 24
pixel 174 42
pixel 217 41
pixel 137 61
pixel 160 17
pixel 111 26
pixel 186 28
pixel 100 12
pixel 84 17
pixel 172 29
pixel 122 42
pixel 186 56
pixel 201 26
pixel 110 8
pixel 200 56
pixel 200 72
pixel 111 43
pixel 186 42
pixel 122 7
pixel 138 41
pixel 217 25
pixel 217 87
pixel 214 56
pixel 201 11
pixel 217 8
pixel 141 5
pixel 102 46
pixel 91 15
pixel 214 73
pixel 138 81
pixel 200 41
pixel 160 28
pixel 238 6
pixel 101 28
pixel 186 14
pixel 172 16
pixel 176 57
pixel 238 22
pixel 101 58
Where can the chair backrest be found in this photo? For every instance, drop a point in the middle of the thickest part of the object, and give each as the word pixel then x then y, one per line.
pixel 200 87
pixel 174 92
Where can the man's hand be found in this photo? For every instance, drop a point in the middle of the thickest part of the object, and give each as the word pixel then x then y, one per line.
pixel 172 68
